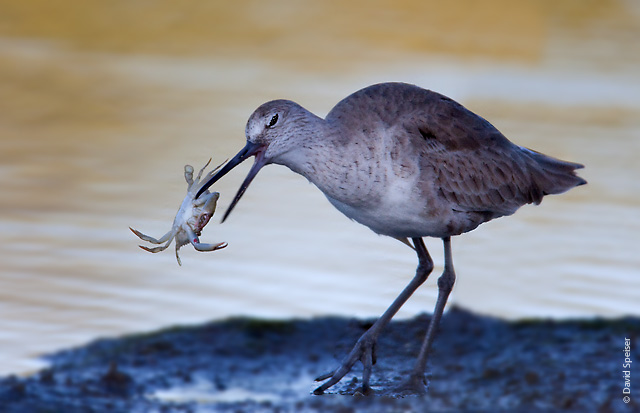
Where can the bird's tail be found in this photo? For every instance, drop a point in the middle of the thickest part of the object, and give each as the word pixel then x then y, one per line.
pixel 553 176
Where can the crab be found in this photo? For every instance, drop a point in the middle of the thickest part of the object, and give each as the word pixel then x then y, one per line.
pixel 193 215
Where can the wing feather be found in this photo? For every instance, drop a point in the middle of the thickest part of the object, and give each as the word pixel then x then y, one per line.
pixel 477 169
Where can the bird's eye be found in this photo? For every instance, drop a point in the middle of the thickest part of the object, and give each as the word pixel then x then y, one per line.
pixel 273 121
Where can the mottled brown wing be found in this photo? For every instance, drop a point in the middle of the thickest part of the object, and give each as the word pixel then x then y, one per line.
pixel 476 168
pixel 485 180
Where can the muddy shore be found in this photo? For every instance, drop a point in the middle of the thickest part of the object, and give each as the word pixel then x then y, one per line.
pixel 250 365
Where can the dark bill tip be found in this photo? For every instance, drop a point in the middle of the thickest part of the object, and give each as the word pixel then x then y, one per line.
pixel 257 164
pixel 249 150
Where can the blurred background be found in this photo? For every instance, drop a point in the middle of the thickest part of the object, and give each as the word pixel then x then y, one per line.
pixel 103 103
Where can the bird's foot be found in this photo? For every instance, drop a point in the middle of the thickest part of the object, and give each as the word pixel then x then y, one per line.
pixel 415 385
pixel 365 351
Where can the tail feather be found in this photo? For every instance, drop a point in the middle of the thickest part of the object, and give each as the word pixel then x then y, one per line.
pixel 553 176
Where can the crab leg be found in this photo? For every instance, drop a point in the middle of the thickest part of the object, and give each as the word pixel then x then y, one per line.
pixel 152 240
pixel 202 170
pixel 165 238
pixel 155 249
pixel 178 256
pixel 188 174
pixel 212 172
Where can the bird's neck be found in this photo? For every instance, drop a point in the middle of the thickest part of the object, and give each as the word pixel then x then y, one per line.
pixel 302 158
pixel 309 149
pixel 322 162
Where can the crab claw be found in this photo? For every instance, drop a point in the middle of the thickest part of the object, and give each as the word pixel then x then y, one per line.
pixel 208 247
pixel 195 241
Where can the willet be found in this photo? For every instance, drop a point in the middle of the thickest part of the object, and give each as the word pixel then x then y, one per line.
pixel 407 163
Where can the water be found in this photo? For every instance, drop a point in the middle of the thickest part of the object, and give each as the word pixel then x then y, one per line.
pixel 97 121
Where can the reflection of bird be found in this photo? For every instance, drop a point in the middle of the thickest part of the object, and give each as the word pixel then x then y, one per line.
pixel 407 163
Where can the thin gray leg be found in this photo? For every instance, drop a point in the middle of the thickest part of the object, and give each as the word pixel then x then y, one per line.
pixel 364 350
pixel 416 381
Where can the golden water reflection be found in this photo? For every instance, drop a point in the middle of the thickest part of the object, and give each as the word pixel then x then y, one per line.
pixel 103 104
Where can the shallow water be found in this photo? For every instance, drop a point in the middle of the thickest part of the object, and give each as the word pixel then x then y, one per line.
pixel 97 122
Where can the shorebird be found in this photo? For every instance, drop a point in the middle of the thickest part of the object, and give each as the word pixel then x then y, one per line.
pixel 408 163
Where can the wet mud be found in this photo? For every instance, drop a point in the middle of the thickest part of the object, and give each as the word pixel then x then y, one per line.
pixel 251 365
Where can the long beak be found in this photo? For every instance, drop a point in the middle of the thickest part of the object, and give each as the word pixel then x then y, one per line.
pixel 249 150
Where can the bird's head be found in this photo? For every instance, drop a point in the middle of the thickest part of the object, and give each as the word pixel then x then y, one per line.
pixel 269 134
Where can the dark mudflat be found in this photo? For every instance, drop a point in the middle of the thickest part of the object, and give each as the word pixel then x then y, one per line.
pixel 248 365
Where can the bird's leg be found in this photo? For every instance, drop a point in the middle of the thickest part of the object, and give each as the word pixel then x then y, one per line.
pixel 416 381
pixel 364 350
